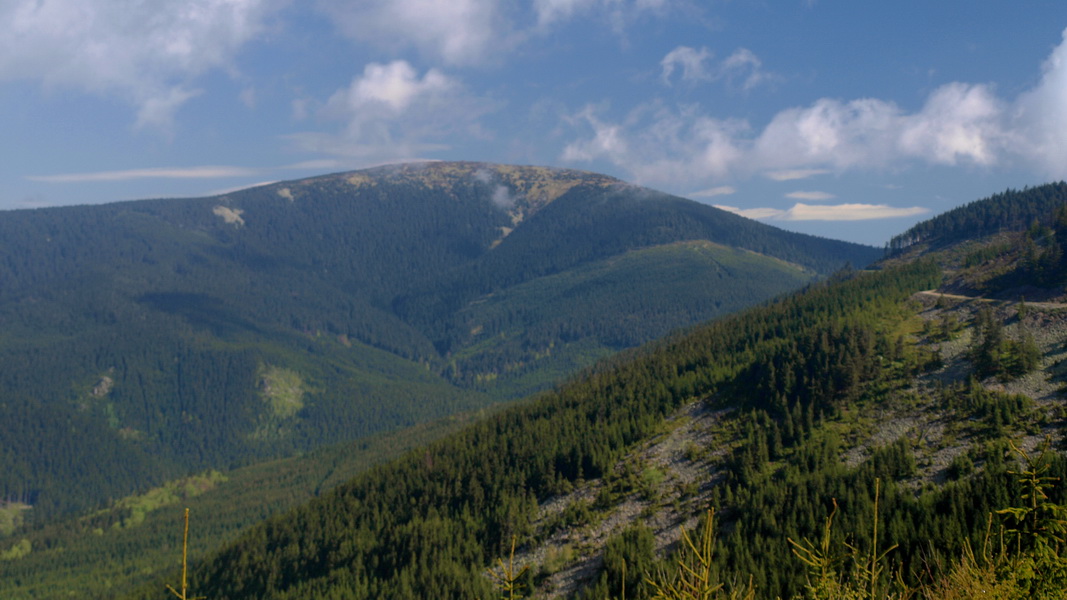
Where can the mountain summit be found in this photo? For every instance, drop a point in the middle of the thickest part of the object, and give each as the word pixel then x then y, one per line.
pixel 158 337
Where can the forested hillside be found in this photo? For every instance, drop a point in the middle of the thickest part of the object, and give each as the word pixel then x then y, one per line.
pixel 1011 210
pixel 864 417
pixel 434 520
pixel 144 341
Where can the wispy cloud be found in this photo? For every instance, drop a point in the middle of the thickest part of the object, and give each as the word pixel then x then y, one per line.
pixel 318 164
pixel 690 61
pixel 203 172
pixel 232 189
pixel 810 196
pixel 473 32
pixel 742 68
pixel 751 213
pixel 153 55
pixel 828 212
pixel 618 12
pixel 746 67
pixel 146 53
pixel 722 190
pixel 793 174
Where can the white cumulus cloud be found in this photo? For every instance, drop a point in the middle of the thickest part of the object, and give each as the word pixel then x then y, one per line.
pixel 1039 117
pixel 147 53
pixel 393 112
pixel 959 124
pixel 830 133
pixel 391 88
pixel 657 145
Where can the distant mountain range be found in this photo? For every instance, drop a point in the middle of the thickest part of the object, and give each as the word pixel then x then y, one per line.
pixel 146 340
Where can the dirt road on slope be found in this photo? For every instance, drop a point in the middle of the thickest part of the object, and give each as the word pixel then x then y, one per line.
pixel 1039 305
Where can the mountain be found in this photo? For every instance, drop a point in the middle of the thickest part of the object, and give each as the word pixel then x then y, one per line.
pixel 149 340
pixel 863 417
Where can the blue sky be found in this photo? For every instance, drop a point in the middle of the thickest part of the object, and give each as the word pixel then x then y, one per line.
pixel 845 119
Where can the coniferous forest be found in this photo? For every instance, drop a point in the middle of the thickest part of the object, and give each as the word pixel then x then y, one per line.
pixel 871 435
pixel 149 340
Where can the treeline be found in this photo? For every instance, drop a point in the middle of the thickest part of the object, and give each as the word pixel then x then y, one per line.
pixel 432 520
pixel 1029 257
pixel 1011 210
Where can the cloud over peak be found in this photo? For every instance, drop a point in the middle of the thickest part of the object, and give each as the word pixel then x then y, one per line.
pixel 390 110
pixel 392 87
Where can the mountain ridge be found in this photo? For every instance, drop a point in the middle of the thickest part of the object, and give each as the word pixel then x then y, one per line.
pixel 362 287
